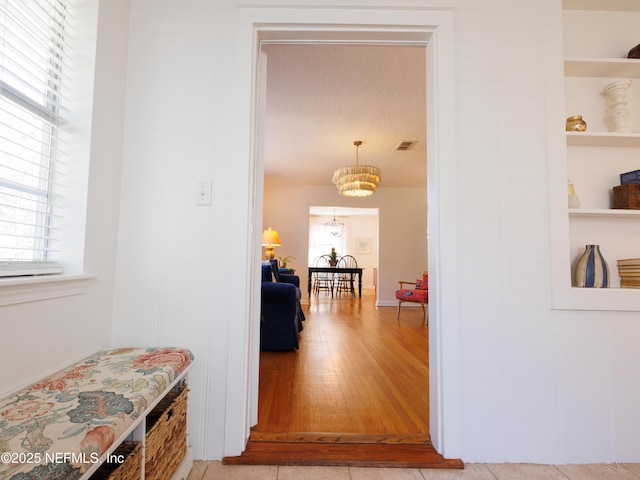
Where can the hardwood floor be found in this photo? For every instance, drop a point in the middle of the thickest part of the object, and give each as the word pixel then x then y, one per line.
pixel 355 393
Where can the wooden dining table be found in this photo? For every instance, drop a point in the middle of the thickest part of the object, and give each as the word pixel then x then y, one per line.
pixel 350 270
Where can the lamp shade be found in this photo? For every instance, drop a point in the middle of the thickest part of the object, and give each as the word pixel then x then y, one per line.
pixel 357 180
pixel 270 238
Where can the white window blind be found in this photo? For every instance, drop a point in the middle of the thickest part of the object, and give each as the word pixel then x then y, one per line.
pixel 34 74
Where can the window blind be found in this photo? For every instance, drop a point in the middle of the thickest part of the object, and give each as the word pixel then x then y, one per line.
pixel 34 74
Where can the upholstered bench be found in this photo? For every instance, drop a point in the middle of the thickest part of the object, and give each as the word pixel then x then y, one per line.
pixel 66 426
pixel 419 294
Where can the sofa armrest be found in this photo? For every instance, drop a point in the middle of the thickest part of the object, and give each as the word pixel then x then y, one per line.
pixel 279 292
pixel 291 279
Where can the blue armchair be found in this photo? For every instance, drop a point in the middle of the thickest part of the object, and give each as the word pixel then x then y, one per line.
pixel 281 313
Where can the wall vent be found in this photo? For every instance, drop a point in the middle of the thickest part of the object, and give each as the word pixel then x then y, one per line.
pixel 405 145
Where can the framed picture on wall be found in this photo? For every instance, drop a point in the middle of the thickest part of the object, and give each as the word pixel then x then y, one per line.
pixel 363 245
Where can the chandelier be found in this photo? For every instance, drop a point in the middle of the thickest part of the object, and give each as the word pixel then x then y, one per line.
pixel 357 180
pixel 334 227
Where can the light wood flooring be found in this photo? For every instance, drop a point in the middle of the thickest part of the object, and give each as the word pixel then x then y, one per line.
pixel 355 393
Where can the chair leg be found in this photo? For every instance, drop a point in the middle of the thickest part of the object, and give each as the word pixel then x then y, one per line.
pixel 425 312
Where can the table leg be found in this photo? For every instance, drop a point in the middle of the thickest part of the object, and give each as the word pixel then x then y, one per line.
pixel 309 285
pixel 360 284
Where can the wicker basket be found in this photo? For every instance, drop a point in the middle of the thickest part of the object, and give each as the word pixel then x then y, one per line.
pixel 166 437
pixel 627 196
pixel 130 469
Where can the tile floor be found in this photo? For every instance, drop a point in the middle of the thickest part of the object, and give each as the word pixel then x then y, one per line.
pixel 216 471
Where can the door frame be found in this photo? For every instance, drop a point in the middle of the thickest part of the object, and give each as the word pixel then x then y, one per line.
pixel 428 26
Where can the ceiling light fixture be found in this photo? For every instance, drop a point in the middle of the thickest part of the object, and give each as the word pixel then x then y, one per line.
pixel 357 180
pixel 334 227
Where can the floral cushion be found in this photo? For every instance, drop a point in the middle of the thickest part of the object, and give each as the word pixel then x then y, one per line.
pixel 407 295
pixel 57 428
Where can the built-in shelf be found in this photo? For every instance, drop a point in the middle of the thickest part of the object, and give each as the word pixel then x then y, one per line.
pixel 588 66
pixel 602 67
pixel 604 212
pixel 602 5
pixel 605 299
pixel 603 139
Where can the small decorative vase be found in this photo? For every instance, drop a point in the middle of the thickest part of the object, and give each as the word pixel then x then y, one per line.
pixel 576 124
pixel 574 201
pixel 333 263
pixel 592 270
pixel 618 113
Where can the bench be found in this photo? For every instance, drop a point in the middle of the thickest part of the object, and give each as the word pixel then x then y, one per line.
pixel 68 426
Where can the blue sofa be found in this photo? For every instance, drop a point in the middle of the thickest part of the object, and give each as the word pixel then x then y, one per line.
pixel 281 314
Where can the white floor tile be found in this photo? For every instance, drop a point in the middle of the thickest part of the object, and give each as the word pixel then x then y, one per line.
pixel 361 473
pixel 216 471
pixel 525 471
pixel 632 467
pixel 597 472
pixel 470 472
pixel 313 473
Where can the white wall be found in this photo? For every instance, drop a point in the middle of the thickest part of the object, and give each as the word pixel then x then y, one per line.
pixel 366 227
pixel 536 385
pixel 402 229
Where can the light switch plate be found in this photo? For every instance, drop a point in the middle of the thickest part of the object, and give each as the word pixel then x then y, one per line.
pixel 203 193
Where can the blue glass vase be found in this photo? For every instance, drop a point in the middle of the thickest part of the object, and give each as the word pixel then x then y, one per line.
pixel 592 270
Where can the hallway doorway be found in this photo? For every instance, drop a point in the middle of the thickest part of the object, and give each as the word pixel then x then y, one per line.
pixel 430 27
pixel 374 425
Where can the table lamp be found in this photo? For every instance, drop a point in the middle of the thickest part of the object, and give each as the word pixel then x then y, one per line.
pixel 270 239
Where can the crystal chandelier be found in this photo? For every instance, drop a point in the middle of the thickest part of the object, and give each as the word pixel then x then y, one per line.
pixel 357 180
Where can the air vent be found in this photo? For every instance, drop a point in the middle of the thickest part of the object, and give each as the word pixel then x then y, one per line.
pixel 405 145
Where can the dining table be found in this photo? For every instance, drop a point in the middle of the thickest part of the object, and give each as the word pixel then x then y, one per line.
pixel 350 270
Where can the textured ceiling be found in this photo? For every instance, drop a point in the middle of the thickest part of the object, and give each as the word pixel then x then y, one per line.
pixel 322 97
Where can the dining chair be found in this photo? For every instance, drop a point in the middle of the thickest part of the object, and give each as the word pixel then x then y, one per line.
pixel 344 281
pixel 322 281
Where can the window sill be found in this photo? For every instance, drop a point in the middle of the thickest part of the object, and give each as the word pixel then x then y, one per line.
pixel 14 290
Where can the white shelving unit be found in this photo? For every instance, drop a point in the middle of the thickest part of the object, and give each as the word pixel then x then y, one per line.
pixel 603 139
pixel 597 34
pixel 602 67
pixel 137 432
pixel 604 213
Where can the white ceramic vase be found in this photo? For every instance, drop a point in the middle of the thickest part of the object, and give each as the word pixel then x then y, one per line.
pixel 618 113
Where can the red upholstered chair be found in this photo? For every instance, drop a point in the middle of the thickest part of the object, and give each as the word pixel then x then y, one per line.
pixel 418 294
